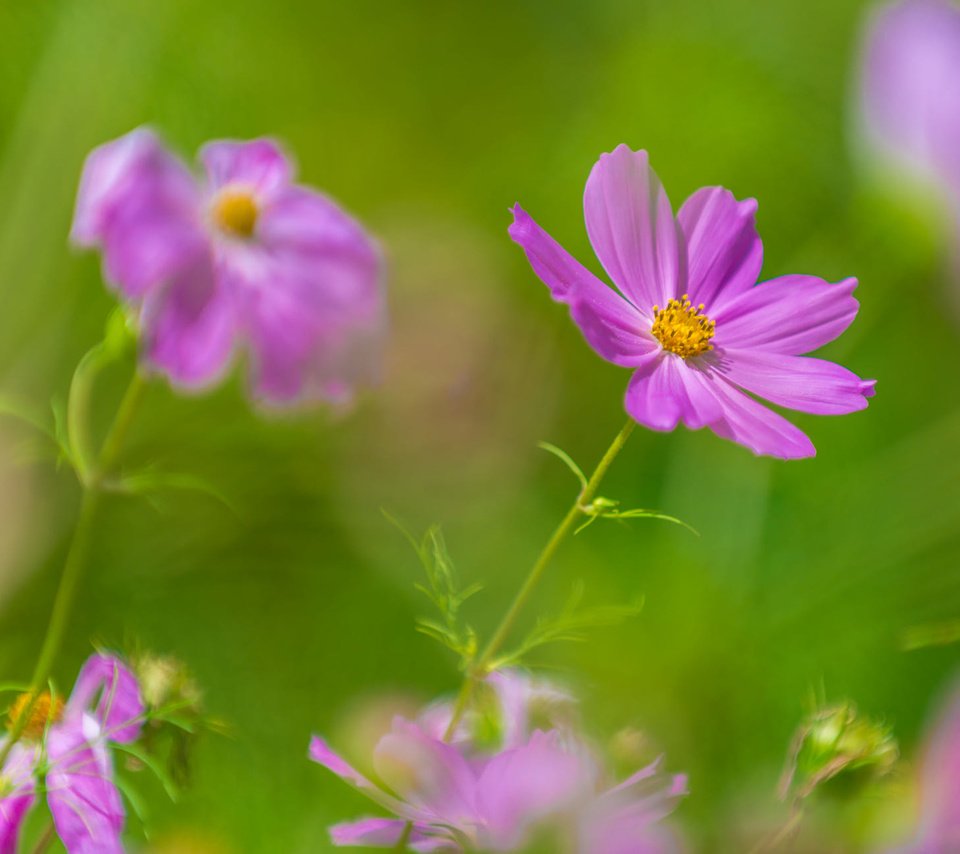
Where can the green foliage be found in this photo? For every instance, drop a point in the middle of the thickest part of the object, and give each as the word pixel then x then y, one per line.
pixel 569 625
pixel 443 590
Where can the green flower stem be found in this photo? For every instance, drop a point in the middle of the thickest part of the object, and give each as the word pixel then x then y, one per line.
pixel 91 480
pixel 569 523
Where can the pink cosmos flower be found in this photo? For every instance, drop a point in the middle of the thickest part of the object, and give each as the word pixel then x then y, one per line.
pixel 908 94
pixel 939 828
pixel 690 320
pixel 468 795
pixel 243 257
pixel 64 750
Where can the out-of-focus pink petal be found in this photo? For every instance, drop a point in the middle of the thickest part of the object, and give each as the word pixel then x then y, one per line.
pixel 615 328
pixel 321 753
pixel 386 833
pixel 761 430
pixel 190 327
pixel 526 701
pixel 909 96
pixel 20 793
pixel 314 321
pixel 140 204
pixel 524 786
pixel 796 382
pixel 724 251
pixel 632 228
pixel 669 391
pixel 940 783
pixel 259 165
pixel 790 314
pixel 104 679
pixel 84 802
pixel 426 772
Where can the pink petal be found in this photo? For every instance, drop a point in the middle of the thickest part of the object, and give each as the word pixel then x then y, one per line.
pixel 911 106
pixel 790 314
pixel 667 391
pixel 940 788
pixel 20 794
pixel 521 787
pixel 140 204
pixel 616 329
pixel 796 382
pixel 427 773
pixel 311 301
pixel 259 165
pixel 761 430
pixel 321 753
pixel 724 251
pixel 386 833
pixel 189 328
pixel 632 228
pixel 119 707
pixel 85 804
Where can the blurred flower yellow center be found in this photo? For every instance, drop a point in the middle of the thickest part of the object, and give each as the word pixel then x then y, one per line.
pixel 683 328
pixel 45 711
pixel 235 212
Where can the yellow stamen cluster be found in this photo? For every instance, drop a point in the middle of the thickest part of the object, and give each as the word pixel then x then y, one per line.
pixel 683 328
pixel 46 710
pixel 235 212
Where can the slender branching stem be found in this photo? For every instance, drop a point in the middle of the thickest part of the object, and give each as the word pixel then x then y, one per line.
pixel 580 507
pixel 91 475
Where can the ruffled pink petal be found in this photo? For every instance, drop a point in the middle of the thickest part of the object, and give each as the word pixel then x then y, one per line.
pixel 796 382
pixel 615 328
pixel 790 314
pixel 524 700
pixel 20 789
pixel 105 680
pixel 311 301
pixel 190 327
pixel 522 787
pixel 140 204
pixel 632 228
pixel 724 251
pixel 427 773
pixel 386 833
pixel 259 165
pixel 84 802
pixel 668 391
pixel 761 430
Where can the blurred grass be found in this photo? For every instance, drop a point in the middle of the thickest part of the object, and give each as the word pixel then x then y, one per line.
pixel 428 120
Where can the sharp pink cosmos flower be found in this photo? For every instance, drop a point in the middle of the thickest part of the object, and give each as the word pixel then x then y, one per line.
pixel 242 257
pixel 909 96
pixel 64 752
pixel 690 319
pixel 939 830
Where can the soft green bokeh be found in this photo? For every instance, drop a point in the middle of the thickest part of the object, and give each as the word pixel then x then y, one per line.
pixel 428 120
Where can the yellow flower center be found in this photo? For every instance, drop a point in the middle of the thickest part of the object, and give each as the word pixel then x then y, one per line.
pixel 683 328
pixel 235 212
pixel 46 710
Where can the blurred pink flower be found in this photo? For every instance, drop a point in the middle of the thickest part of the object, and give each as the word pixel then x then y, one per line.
pixel 939 826
pixel 242 256
pixel 69 745
pixel 466 794
pixel 689 319
pixel 909 95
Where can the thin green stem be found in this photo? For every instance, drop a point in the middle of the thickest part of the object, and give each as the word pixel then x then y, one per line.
pixel 76 559
pixel 569 523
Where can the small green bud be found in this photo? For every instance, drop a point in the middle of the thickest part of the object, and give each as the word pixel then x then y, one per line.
pixel 837 741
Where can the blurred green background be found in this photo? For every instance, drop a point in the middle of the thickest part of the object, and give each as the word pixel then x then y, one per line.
pixel 428 120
